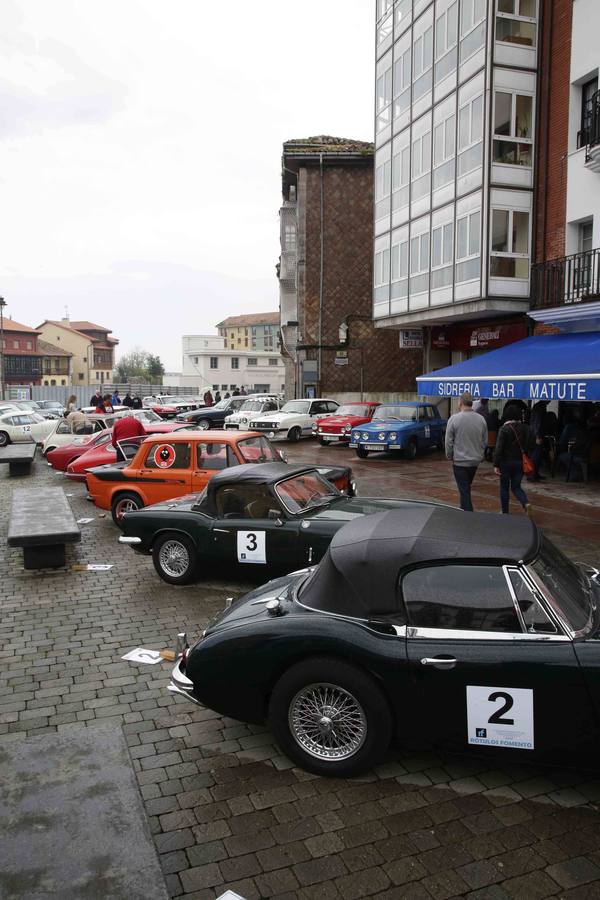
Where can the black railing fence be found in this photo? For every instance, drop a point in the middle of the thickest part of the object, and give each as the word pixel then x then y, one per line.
pixel 589 135
pixel 569 279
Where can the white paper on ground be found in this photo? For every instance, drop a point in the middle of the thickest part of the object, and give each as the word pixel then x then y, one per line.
pixel 143 656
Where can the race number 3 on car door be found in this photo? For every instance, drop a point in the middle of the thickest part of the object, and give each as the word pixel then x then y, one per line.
pixel 500 717
pixel 251 547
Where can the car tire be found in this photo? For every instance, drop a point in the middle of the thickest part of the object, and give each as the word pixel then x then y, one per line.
pixel 175 559
pixel 203 424
pixel 4 439
pixel 410 451
pixel 294 434
pixel 123 503
pixel 322 682
pixel 362 453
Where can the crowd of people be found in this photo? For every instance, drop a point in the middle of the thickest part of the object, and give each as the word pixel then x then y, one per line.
pixel 516 438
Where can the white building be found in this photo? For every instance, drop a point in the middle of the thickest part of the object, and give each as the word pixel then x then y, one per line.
pixel 454 134
pixel 208 361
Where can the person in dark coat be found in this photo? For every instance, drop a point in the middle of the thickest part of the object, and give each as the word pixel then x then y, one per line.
pixel 218 397
pixel 128 400
pixel 208 398
pixel 137 402
pixel 96 398
pixel 514 439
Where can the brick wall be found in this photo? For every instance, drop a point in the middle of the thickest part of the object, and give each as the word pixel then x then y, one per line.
pixel 553 128
pixel 347 284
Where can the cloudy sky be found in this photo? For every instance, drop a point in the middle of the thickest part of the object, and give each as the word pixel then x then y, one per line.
pixel 140 147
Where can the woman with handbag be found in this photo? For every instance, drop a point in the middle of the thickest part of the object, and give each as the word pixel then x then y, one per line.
pixel 511 462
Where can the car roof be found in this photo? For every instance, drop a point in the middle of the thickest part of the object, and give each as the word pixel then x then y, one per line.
pixel 249 473
pixel 213 436
pixel 374 550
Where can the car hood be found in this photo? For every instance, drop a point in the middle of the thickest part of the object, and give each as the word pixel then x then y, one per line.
pixel 394 424
pixel 345 509
pixel 343 420
pixel 253 605
pixel 276 416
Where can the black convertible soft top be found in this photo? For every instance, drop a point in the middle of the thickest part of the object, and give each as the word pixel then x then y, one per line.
pixel 358 575
pixel 249 473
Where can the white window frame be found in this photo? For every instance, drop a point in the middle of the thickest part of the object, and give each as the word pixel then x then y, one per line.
pixel 424 155
pixel 381 277
pixel 510 253
pixel 447 153
pixel 469 5
pixel 383 180
pixel 512 137
pixel 383 7
pixel 424 253
pixel 399 260
pixel 403 166
pixel 445 260
pixel 401 85
pixel 384 98
pixel 472 140
pixel 473 219
pixel 517 17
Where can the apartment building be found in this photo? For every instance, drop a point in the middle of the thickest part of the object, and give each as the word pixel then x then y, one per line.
pixel 455 137
pixel 256 331
pixel 325 272
pixel 209 361
pixel 91 347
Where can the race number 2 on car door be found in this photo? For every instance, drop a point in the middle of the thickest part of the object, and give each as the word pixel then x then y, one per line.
pixel 500 717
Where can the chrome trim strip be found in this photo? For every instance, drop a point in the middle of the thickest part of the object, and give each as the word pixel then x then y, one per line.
pixel 554 605
pixel 459 635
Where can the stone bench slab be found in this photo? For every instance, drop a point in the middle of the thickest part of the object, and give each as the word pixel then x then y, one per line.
pixel 42 522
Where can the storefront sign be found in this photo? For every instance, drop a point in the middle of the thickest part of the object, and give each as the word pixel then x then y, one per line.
pixel 481 337
pixel 341 358
pixel 411 339
pixel 509 389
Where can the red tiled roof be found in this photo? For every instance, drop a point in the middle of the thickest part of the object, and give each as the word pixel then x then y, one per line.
pixel 60 324
pixel 50 350
pixel 11 325
pixel 268 318
pixel 88 326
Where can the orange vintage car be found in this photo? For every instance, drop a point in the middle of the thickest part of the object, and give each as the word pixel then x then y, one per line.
pixel 183 462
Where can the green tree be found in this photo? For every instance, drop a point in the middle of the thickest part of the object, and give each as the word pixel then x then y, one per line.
pixel 139 365
pixel 155 368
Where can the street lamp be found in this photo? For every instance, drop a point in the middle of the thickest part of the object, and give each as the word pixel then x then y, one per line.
pixel 2 305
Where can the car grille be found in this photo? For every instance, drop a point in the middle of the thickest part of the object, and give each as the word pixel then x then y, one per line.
pixel 261 425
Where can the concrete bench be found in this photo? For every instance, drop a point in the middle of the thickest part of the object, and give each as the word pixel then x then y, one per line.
pixel 42 522
pixel 19 458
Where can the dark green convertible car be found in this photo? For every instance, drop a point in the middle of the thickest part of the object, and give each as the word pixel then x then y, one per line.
pixel 250 521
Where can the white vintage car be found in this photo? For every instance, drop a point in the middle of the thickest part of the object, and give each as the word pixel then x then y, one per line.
pixel 22 427
pixel 258 403
pixel 294 420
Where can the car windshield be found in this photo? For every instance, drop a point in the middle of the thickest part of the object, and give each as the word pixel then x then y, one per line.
pixel 146 415
pixel 305 491
pixel 353 409
pixel 568 584
pixel 296 406
pixel 222 404
pixel 402 413
pixel 35 417
pixel 258 449
pixel 251 406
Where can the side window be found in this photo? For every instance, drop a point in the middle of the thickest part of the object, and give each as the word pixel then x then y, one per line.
pixel 232 459
pixel 460 598
pixel 168 456
pixel 63 428
pixel 332 406
pixel 318 408
pixel 11 420
pixel 535 617
pixel 252 501
pixel 211 456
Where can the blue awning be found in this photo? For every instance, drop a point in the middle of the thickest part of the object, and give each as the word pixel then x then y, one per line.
pixel 544 367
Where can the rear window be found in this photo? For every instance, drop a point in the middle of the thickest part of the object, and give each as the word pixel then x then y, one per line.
pixel 168 456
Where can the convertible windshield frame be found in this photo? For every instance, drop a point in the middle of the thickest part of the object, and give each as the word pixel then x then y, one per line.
pixel 331 492
pixel 549 553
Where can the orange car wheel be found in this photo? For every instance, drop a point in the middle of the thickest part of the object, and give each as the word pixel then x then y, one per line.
pixel 124 503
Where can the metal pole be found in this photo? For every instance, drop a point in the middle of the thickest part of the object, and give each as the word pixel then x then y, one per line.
pixel 2 305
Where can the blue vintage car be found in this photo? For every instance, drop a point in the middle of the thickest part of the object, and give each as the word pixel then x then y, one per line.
pixel 400 426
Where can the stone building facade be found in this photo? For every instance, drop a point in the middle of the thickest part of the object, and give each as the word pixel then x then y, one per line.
pixel 329 342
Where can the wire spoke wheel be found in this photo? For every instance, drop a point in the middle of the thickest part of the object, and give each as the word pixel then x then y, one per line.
pixel 327 721
pixel 174 558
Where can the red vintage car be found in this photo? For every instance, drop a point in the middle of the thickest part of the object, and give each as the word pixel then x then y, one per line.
pixel 336 429
pixel 102 452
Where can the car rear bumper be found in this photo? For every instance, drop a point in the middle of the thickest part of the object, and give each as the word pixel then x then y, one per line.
pixel 181 684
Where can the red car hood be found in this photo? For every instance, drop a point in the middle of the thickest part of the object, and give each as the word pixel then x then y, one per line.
pixel 160 427
pixel 335 423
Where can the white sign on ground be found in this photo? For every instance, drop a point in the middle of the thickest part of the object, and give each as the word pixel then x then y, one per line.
pixel 143 656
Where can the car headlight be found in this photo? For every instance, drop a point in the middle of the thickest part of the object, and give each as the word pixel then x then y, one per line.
pixel 393 435
pixel 382 435
pixel 365 436
pixel 347 428
pixel 243 421
pixel 314 428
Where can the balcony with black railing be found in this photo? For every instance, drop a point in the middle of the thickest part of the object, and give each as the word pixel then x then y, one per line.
pixel 566 280
pixel 589 135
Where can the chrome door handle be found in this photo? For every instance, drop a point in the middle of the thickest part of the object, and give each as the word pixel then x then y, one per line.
pixel 439 662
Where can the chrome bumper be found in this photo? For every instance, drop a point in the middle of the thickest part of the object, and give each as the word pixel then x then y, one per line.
pixel 181 684
pixel 123 539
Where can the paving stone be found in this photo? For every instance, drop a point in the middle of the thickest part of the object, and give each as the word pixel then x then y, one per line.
pixel 574 872
pixel 315 871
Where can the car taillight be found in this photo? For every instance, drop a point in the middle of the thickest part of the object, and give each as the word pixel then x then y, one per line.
pixel 342 484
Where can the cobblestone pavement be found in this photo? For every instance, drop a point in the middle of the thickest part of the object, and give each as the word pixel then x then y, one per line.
pixel 225 808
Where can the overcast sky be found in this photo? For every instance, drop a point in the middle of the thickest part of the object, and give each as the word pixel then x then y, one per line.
pixel 140 148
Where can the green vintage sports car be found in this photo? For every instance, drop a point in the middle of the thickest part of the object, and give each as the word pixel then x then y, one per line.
pixel 251 521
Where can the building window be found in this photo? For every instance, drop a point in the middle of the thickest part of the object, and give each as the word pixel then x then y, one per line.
pixel 63 382
pixel 470 135
pixel 252 361
pixel 402 82
pixel 273 361
pixel 446 37
pixel 195 360
pixel 421 165
pixel 384 97
pixel 223 387
pixel 472 27
pixel 510 244
pixel 400 264
pixel 16 344
pixel 81 376
pixel 232 335
pixel 381 270
pixel 586 237
pixel 400 177
pixel 29 345
pixel 235 362
pixel 468 247
pixel 444 149
pixel 383 184
pixel 289 242
pixel 515 22
pixel 214 362
pixel 442 240
pixel 422 63
pixel 513 129
pixel 587 93
pixel 97 376
pixel 383 6
pixel 419 263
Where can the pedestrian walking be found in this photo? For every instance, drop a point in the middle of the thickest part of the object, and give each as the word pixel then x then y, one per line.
pixel 71 404
pixel 218 397
pixel 96 398
pixel 235 393
pixel 466 440
pixel 115 399
pixel 208 398
pixel 137 402
pixel 514 439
